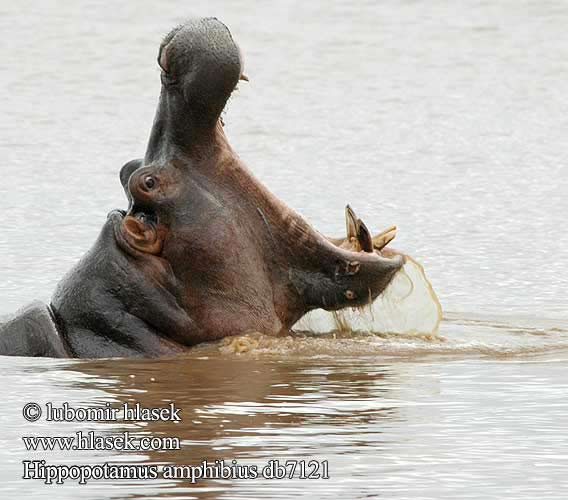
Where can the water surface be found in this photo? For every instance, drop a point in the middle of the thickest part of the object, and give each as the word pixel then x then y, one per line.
pixel 447 120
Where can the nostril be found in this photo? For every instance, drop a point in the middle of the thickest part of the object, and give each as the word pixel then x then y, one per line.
pixel 149 182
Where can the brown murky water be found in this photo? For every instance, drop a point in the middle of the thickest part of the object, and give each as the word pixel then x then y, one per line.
pixel 448 121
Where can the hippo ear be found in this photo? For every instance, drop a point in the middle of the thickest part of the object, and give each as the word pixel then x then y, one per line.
pixel 142 236
pixel 126 172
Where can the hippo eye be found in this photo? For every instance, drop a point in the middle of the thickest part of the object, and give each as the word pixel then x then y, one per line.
pixel 149 182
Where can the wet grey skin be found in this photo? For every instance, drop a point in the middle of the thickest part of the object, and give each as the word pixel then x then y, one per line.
pixel 204 250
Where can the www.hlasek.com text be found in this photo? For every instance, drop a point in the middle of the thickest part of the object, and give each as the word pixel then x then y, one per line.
pixel 81 441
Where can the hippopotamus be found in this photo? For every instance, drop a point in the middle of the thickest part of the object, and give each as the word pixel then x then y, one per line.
pixel 204 250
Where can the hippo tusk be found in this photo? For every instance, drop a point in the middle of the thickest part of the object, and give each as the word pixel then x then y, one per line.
pixel 350 223
pixel 357 233
pixel 364 237
pixel 381 240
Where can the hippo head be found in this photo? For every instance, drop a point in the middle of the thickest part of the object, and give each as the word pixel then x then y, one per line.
pixel 240 260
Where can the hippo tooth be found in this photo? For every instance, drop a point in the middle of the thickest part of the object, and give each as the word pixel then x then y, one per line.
pixel 350 223
pixel 381 240
pixel 364 237
pixel 358 234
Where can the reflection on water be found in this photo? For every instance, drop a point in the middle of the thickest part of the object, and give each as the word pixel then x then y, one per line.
pixel 448 120
pixel 426 427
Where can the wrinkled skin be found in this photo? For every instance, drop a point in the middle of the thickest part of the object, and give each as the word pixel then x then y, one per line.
pixel 204 250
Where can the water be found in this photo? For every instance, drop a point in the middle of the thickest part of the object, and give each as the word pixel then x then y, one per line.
pixel 447 120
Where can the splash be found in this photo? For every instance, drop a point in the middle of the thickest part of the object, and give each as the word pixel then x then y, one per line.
pixel 462 337
pixel 405 322
pixel 409 306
